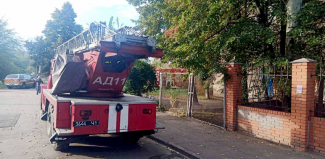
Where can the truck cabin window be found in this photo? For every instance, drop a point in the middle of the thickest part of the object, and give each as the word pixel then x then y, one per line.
pixel 116 64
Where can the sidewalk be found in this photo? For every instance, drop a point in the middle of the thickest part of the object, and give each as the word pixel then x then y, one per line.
pixel 204 141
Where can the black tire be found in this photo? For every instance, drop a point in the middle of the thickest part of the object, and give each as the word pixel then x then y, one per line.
pixel 9 87
pixel 60 145
pixel 23 86
pixel 131 138
pixel 57 145
pixel 49 127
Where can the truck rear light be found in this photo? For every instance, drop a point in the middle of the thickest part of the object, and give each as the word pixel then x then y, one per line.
pixel 85 113
pixel 147 111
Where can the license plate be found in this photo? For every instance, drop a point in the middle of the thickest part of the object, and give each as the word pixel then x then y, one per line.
pixel 85 123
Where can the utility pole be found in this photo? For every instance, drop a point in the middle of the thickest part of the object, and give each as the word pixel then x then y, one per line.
pixel 160 89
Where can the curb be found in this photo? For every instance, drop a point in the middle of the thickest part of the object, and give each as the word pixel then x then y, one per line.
pixel 175 147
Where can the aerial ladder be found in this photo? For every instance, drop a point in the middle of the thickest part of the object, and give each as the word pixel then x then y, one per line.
pixel 84 94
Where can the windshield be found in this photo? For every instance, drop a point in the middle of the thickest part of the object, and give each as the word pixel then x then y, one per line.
pixel 12 76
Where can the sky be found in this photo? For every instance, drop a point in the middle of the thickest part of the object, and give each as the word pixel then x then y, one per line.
pixel 28 17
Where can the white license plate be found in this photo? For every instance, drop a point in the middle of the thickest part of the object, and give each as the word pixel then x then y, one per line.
pixel 85 123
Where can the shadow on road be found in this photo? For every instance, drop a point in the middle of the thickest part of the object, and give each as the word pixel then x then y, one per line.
pixel 110 146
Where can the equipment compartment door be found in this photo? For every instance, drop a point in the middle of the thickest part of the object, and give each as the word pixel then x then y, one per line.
pixel 118 118
pixel 104 109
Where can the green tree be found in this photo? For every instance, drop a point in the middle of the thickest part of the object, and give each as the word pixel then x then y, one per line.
pixel 142 78
pixel 62 26
pixel 211 33
pixel 9 48
pixel 309 37
pixel 39 52
pixel 58 30
pixel 111 24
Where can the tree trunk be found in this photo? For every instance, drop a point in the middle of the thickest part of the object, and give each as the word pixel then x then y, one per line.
pixel 139 92
pixel 40 70
pixel 207 94
pixel 293 7
pixel 195 99
pixel 283 40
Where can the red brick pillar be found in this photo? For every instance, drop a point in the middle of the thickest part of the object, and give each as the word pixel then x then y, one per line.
pixel 233 95
pixel 302 100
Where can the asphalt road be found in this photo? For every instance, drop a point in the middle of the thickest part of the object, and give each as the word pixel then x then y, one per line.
pixel 27 139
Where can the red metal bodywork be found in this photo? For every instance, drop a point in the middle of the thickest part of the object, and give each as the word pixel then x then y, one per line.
pixel 100 81
pixel 136 119
pixel 102 84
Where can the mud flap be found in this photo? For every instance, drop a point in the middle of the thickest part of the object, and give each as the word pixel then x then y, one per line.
pixel 44 117
pixel 53 137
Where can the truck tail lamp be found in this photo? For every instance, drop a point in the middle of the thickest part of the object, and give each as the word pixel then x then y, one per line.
pixel 147 111
pixel 85 113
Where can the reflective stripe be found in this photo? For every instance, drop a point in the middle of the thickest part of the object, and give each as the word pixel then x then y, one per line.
pixel 124 120
pixel 11 81
pixel 112 119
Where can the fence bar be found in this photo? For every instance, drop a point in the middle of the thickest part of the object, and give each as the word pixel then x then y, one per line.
pixel 268 86
pixel 160 90
pixel 224 104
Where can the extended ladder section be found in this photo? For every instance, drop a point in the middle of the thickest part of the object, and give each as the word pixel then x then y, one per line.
pixel 97 62
pixel 97 33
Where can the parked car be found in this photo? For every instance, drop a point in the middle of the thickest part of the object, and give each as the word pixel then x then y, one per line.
pixel 19 80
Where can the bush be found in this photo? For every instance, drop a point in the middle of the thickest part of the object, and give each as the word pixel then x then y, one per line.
pixel 142 79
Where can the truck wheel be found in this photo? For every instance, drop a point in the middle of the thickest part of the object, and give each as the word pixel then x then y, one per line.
pixel 57 145
pixel 60 146
pixel 131 138
pixel 50 121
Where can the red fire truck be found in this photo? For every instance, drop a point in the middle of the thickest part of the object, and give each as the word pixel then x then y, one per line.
pixel 84 91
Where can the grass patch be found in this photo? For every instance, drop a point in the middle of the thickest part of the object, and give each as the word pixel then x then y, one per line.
pixel 166 93
pixel 181 94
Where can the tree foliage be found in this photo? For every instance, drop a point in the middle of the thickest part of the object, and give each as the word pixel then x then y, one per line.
pixel 204 35
pixel 62 26
pixel 13 58
pixel 309 35
pixel 142 78
pixel 58 30
pixel 40 52
pixel 112 23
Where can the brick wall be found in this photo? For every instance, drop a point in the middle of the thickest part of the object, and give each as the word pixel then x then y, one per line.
pixel 285 128
pixel 233 97
pixel 317 134
pixel 302 102
pixel 266 124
